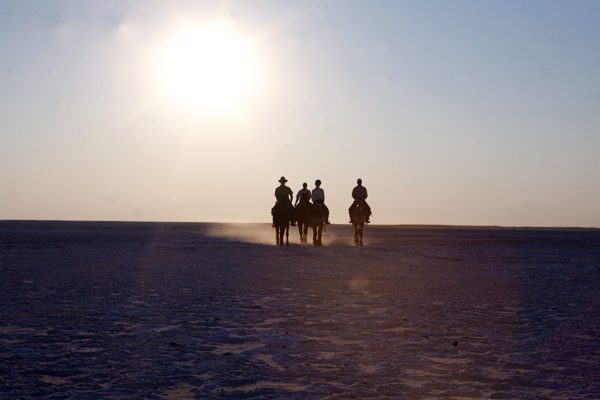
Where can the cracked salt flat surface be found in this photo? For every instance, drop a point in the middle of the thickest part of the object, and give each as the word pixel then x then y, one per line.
pixel 173 311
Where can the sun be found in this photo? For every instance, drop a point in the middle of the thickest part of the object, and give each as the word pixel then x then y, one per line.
pixel 208 68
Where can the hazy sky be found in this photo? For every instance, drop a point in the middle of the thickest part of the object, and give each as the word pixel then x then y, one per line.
pixel 452 112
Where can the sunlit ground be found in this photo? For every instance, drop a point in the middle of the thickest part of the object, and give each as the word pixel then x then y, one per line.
pixel 151 310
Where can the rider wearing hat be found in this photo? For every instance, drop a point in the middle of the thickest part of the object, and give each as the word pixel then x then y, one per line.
pixel 284 196
pixel 359 193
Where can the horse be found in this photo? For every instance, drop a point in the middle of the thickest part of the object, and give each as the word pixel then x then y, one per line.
pixel 358 222
pixel 282 215
pixel 317 219
pixel 302 218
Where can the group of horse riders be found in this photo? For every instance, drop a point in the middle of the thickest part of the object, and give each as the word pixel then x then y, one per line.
pixel 284 196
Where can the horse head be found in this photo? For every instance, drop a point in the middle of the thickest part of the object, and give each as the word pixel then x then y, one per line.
pixel 317 214
pixel 359 216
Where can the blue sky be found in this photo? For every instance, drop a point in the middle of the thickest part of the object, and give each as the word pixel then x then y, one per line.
pixel 464 112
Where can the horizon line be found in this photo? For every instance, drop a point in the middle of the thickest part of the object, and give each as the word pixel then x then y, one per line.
pixel 413 226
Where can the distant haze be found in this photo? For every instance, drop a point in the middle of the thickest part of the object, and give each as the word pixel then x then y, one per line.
pixel 462 112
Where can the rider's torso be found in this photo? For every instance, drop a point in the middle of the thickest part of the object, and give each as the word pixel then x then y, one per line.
pixel 359 193
pixel 318 194
pixel 282 193
pixel 303 195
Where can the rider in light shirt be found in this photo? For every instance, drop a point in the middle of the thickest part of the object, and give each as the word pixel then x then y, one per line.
pixel 318 198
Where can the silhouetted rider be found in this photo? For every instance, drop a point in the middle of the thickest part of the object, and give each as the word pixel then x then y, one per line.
pixel 303 193
pixel 359 193
pixel 284 196
pixel 318 198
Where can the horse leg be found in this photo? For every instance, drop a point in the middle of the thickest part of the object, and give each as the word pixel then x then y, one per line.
pixel 314 228
pixel 320 234
pixel 360 232
pixel 287 234
pixel 277 235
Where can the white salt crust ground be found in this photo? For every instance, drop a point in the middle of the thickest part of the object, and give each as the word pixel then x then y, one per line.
pixel 184 311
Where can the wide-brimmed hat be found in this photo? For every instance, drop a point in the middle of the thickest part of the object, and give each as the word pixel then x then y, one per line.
pixel 282 179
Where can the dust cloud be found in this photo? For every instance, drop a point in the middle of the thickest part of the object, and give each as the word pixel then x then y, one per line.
pixel 333 235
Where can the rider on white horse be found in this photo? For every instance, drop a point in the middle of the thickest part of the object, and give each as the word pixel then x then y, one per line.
pixel 359 193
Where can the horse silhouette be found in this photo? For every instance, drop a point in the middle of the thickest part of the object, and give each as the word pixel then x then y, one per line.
pixel 317 219
pixel 282 216
pixel 359 217
pixel 302 218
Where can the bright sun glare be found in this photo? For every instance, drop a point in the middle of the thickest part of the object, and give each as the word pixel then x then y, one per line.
pixel 208 68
